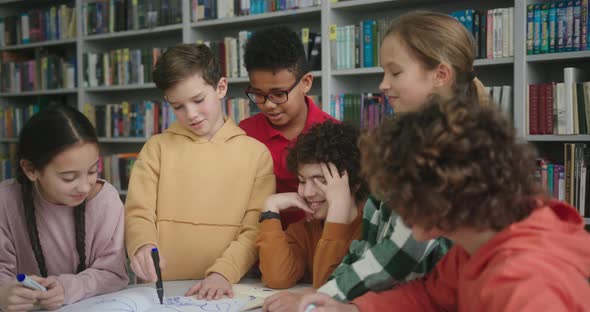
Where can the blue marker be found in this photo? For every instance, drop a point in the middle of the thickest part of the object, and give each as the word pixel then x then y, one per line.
pixel 29 283
pixel 310 307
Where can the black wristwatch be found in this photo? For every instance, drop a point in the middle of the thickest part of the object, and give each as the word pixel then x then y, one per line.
pixel 269 215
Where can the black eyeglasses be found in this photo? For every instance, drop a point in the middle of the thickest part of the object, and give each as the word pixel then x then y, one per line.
pixel 277 97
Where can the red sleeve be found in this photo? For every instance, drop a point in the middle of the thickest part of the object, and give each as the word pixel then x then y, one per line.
pixel 437 291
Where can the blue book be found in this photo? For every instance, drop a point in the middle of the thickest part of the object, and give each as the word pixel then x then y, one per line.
pixel 552 27
pixel 537 28
pixel 368 43
pixel 561 26
pixel 466 18
pixel 529 29
pixel 577 25
pixel 569 25
pixel 544 28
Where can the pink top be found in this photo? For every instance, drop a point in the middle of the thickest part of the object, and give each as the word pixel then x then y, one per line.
pixel 105 253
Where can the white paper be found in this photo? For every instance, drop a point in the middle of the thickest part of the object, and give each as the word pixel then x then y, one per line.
pixel 145 299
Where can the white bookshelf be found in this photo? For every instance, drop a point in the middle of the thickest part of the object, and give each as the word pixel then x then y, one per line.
pixel 264 18
pixel 558 138
pixel 150 32
pixel 128 87
pixel 372 5
pixel 48 43
pixel 121 140
pixel 517 71
pixel 40 93
pixel 558 56
pixel 493 62
pixel 358 71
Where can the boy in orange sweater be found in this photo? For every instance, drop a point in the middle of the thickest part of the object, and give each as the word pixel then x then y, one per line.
pixel 456 170
pixel 326 161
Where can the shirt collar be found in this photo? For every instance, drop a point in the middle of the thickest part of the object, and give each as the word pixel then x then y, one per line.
pixel 314 115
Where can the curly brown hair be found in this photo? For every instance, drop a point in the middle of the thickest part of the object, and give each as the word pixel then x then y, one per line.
pixel 331 142
pixel 450 165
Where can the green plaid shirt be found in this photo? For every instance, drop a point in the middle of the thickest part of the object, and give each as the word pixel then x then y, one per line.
pixel 387 255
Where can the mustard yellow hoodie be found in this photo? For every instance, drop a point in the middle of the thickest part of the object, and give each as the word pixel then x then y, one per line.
pixel 199 201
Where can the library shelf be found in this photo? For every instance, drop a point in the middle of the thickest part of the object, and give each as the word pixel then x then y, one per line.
pixel 40 92
pixel 236 80
pixel 563 56
pixel 372 5
pixel 357 71
pixel 493 62
pixel 127 87
pixel 557 138
pixel 160 30
pixel 48 43
pixel 283 16
pixel 121 140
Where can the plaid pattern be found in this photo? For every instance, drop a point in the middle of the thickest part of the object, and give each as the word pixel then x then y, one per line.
pixel 386 256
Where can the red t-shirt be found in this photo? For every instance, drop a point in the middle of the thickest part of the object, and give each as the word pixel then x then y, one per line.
pixel 261 129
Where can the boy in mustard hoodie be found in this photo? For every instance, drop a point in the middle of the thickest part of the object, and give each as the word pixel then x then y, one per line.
pixel 197 189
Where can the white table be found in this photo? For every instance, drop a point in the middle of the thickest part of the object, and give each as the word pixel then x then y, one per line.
pixel 179 288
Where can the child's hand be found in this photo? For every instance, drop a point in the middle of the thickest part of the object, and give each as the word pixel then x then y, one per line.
pixel 213 287
pixel 54 297
pixel 15 297
pixel 285 301
pixel 337 193
pixel 325 303
pixel 143 265
pixel 282 201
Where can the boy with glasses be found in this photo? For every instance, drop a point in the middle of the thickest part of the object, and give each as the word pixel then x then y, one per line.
pixel 279 83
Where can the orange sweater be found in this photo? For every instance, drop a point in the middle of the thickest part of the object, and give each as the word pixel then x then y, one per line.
pixel 539 264
pixel 307 251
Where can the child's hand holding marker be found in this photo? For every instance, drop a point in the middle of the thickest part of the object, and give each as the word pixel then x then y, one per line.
pixel 22 294
pixel 322 303
pixel 142 264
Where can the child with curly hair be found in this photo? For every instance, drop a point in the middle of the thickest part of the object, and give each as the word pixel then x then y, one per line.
pixel 332 193
pixel 456 170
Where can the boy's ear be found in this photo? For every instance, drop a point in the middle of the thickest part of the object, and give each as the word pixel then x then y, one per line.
pixel 306 83
pixel 443 75
pixel 221 87
pixel 29 170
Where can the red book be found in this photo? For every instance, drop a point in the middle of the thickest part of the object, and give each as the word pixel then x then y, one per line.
pixel 542 108
pixel 533 109
pixel 549 87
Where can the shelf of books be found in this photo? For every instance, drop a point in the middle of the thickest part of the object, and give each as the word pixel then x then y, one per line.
pixel 156 31
pixel 121 140
pixel 237 17
pixel 124 87
pixel 41 44
pixel 375 5
pixel 40 92
pixel 558 56
pixel 558 138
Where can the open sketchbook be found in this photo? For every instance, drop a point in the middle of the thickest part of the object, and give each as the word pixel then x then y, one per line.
pixel 145 299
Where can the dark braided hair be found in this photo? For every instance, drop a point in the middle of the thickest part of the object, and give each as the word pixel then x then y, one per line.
pixel 42 138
